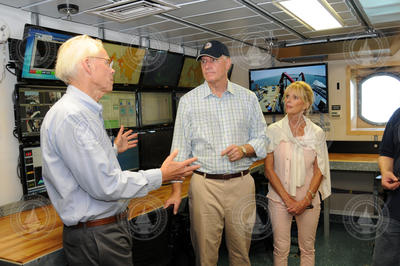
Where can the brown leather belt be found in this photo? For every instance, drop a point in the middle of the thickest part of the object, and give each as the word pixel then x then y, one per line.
pixel 103 221
pixel 222 176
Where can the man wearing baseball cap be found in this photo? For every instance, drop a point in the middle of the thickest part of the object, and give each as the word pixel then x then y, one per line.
pixel 220 123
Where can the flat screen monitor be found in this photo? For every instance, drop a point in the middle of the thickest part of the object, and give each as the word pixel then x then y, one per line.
pixel 31 170
pixel 269 85
pixel 191 74
pixel 177 98
pixel 127 60
pixel 129 160
pixel 119 108
pixel 156 108
pixel 154 147
pixel 31 105
pixel 41 52
pixel 162 69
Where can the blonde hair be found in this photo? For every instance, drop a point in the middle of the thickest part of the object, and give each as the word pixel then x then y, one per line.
pixel 72 52
pixel 302 90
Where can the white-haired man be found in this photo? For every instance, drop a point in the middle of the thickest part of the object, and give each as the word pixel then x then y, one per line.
pixel 83 178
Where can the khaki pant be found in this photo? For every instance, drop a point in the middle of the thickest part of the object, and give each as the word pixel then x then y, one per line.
pixel 215 204
pixel 307 224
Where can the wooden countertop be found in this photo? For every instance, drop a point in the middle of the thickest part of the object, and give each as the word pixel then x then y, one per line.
pixel 353 157
pixel 29 235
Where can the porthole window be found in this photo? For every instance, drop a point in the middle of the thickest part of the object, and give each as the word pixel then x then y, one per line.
pixel 379 97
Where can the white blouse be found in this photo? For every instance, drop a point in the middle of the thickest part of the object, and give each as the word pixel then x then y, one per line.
pixel 294 158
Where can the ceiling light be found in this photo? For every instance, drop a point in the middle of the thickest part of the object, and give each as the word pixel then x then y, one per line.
pixel 315 14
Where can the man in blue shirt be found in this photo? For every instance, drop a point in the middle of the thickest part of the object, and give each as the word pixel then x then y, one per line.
pixel 221 124
pixel 84 181
pixel 387 244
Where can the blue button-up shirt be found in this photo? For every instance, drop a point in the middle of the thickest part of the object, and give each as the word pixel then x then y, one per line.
pixel 80 169
pixel 206 125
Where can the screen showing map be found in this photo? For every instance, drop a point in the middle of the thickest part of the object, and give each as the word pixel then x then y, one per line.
pixel 119 108
pixel 128 62
pixel 191 75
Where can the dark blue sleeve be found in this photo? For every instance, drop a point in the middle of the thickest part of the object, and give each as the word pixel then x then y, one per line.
pixel 387 147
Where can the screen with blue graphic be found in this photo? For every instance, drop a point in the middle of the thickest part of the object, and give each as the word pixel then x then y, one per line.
pixel 269 85
pixel 41 52
pixel 119 108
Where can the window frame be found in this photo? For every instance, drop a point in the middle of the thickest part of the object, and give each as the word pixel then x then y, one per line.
pixel 359 94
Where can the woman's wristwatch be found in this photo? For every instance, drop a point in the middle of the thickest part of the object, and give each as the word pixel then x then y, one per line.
pixel 312 194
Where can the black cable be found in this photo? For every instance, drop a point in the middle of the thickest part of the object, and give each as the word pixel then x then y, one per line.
pixel 15 133
pixel 11 65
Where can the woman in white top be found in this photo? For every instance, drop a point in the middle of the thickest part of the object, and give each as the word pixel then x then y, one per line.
pixel 297 166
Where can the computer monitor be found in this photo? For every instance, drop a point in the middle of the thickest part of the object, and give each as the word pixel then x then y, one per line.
pixel 119 108
pixel 155 108
pixel 31 105
pixel 154 147
pixel 191 74
pixel 269 85
pixel 163 73
pixel 128 61
pixel 129 160
pixel 41 52
pixel 31 170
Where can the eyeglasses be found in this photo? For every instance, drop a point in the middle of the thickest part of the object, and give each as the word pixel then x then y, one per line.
pixel 212 60
pixel 109 61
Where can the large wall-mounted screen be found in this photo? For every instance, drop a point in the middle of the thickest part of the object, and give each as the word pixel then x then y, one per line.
pixel 191 75
pixel 119 108
pixel 269 85
pixel 128 62
pixel 156 108
pixel 162 69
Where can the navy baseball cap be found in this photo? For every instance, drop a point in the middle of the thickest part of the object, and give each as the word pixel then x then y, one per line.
pixel 213 49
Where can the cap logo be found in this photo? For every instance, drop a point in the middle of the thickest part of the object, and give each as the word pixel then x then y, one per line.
pixel 207 45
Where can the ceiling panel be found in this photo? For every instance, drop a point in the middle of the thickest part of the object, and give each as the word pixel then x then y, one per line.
pixel 222 16
pixel 243 22
pixel 211 19
pixel 263 28
pixel 19 3
pixel 203 7
pixel 182 32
